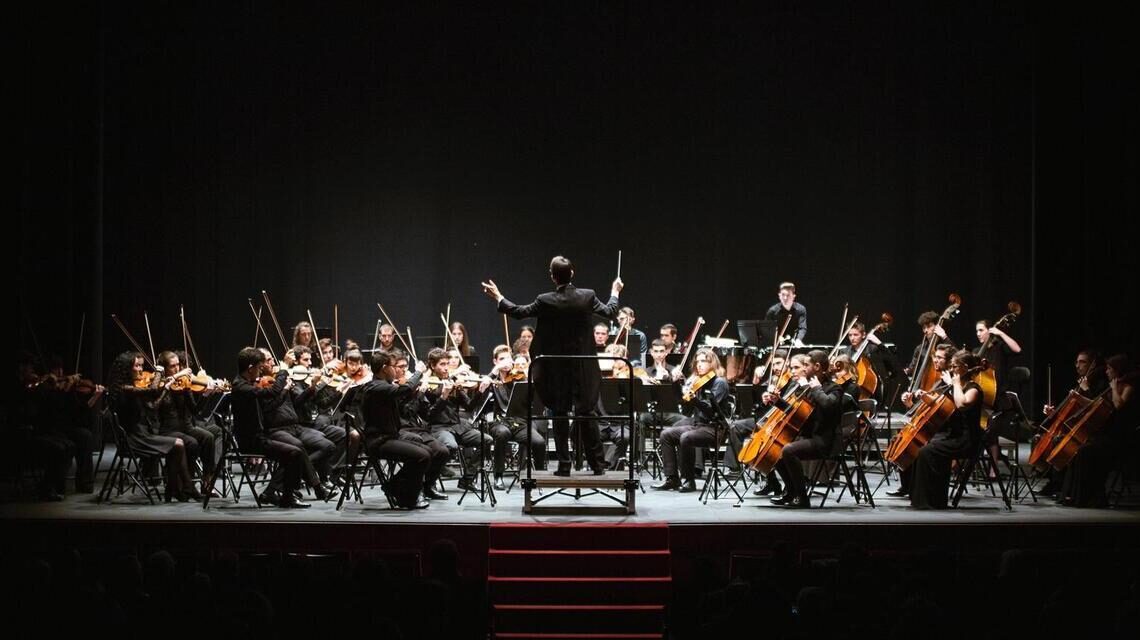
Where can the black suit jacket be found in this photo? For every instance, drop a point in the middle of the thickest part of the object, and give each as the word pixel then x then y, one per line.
pixel 565 327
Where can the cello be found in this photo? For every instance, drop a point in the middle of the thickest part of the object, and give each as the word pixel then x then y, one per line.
pixel 780 427
pixel 1080 428
pixel 932 411
pixel 1055 428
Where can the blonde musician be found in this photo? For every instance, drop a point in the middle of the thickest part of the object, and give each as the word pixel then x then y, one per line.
pixel 707 393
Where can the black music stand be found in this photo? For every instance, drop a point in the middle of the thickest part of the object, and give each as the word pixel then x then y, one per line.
pixel 486 488
pixel 662 398
pixel 715 474
pixel 614 402
pixel 517 409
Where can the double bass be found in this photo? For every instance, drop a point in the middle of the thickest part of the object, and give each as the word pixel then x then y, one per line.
pixel 925 377
pixel 987 378
pixel 868 380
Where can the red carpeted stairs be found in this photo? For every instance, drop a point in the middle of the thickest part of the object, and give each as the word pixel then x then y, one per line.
pixel 579 580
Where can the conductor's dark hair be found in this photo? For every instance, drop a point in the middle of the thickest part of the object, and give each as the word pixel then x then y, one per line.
pixel 561 269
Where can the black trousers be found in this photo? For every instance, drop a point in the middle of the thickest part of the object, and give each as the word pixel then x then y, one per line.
pixel 789 467
pixel 509 431
pixel 415 458
pixel 321 450
pixel 682 441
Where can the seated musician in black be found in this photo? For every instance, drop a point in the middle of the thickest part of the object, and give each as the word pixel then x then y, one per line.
pixel 1114 445
pixel 380 403
pixel 313 399
pixel 177 411
pixel 507 429
pixel 959 438
pixel 940 360
pixel 63 422
pixel 253 402
pixel 1091 382
pixel 443 402
pixel 743 428
pixel 998 355
pixel 660 372
pixel 281 421
pixel 696 431
pixel 819 432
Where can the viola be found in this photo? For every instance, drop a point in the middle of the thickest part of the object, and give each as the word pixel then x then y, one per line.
pixel 693 385
pixel 146 379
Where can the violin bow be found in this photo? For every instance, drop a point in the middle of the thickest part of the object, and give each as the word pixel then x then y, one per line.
pixel 79 349
pixel 273 316
pixel 412 342
pixel 146 320
pixel 131 339
pixel 257 319
pixel 389 320
pixel 506 331
pixel 316 338
pixel 447 335
pixel 776 347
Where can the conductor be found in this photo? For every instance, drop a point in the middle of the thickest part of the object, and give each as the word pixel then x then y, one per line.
pixel 565 327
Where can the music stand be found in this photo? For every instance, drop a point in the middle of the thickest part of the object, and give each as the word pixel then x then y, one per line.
pixel 612 394
pixel 662 398
pixel 517 409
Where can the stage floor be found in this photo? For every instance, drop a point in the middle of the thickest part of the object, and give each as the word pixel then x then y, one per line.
pixel 652 506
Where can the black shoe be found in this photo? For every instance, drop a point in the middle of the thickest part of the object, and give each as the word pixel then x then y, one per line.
pixel 431 494
pixel 671 482
pixel 562 470
pixel 599 471
pixel 324 492
pixel 898 493
pixel 782 501
pixel 800 502
pixel 468 484
pixel 688 486
pixel 769 489
pixel 499 483
pixel 291 502
pixel 269 497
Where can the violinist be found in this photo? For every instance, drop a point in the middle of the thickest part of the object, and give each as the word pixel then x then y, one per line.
pixel 265 422
pixel 459 339
pixel 443 401
pixel 844 374
pixel 522 344
pixel 708 393
pixel 280 419
pixel 1110 448
pixel 177 408
pixel 420 455
pixel 778 313
pixel 613 431
pixel 134 406
pixel 507 429
pixel 387 337
pixel 628 332
pixel 314 399
pixel 668 335
pixel 303 335
pixel 818 434
pixel 959 437
pixel 330 357
pixel 940 360
pixel 66 412
pixel 660 371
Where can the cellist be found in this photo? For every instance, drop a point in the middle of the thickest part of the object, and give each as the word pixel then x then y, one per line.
pixel 959 437
pixel 941 362
pixel 707 392
pixel 1113 445
pixel 775 387
pixel 818 434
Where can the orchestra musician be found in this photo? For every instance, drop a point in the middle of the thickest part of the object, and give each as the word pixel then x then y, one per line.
pixel 940 360
pixel 689 433
pixel 778 313
pixel 818 434
pixel 1114 445
pixel 668 335
pixel 442 403
pixel 626 331
pixel 507 429
pixel 958 438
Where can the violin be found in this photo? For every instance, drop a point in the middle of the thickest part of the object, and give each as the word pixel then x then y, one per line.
pixel 693 385
pixel 516 374
pixel 266 382
pixel 146 379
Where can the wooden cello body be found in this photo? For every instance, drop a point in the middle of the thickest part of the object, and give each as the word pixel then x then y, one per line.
pixel 1081 428
pixel 780 427
pixel 930 414
pixel 1055 428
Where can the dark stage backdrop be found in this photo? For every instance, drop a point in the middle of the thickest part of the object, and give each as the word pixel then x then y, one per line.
pixel 883 156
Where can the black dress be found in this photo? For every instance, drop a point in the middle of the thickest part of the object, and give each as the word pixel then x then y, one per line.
pixel 1085 477
pixel 959 438
pixel 136 416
